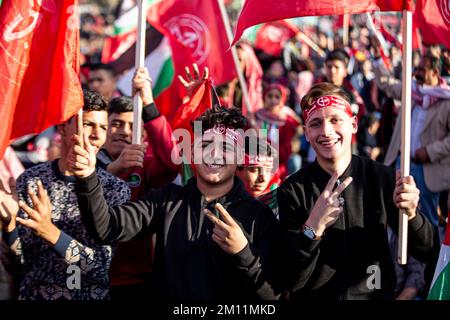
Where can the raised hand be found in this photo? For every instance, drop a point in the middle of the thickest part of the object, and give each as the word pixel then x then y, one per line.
pixel 8 204
pixel 81 158
pixel 406 194
pixel 131 156
pixel 40 216
pixel 226 233
pixel 328 207
pixel 142 83
pixel 192 82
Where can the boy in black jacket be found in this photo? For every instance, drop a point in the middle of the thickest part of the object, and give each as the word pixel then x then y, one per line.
pixel 334 213
pixel 198 255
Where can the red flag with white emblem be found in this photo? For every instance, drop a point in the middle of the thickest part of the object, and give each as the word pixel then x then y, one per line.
pixel 258 11
pixel 198 25
pixel 432 17
pixel 272 36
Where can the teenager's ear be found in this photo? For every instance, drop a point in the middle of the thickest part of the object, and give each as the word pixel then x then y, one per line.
pixel 354 124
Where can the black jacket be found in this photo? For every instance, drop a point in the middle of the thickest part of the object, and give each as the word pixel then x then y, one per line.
pixel 188 264
pixel 342 264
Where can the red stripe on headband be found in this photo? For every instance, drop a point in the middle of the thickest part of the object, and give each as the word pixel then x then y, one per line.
pixel 328 102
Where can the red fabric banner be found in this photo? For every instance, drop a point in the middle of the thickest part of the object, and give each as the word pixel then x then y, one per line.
pixel 198 25
pixel 39 66
pixel 258 11
pixel 272 36
pixel 432 18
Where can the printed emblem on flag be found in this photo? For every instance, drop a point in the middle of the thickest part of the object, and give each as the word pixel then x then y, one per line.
pixel 193 33
pixel 444 7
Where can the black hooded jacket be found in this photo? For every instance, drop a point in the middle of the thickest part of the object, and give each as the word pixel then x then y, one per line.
pixel 188 264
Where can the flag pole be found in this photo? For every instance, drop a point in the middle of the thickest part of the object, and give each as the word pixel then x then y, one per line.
pixel 237 65
pixel 139 63
pixel 80 126
pixel 406 128
pixel 300 36
pixel 346 22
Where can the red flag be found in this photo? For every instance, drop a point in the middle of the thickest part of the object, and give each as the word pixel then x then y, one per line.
pixel 39 65
pixel 272 36
pixel 258 11
pixel 200 101
pixel 432 17
pixel 198 25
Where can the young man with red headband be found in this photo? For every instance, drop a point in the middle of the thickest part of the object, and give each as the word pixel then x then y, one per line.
pixel 198 255
pixel 257 172
pixel 334 213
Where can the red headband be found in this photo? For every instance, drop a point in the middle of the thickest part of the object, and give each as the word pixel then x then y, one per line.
pixel 327 102
pixel 229 132
pixel 258 161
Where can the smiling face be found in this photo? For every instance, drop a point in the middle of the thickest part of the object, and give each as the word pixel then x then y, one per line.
pixel 219 158
pixel 329 130
pixel 120 133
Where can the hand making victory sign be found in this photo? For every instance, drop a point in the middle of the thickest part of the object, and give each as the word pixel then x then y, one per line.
pixel 328 207
pixel 226 233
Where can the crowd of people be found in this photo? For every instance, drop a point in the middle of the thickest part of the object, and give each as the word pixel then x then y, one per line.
pixel 306 210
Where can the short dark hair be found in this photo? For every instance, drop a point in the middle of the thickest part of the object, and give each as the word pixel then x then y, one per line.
pixel 322 89
pixel 435 62
pixel 93 101
pixel 339 55
pixel 120 105
pixel 231 118
pixel 102 66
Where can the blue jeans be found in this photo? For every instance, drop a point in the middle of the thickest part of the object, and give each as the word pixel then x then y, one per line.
pixel 429 200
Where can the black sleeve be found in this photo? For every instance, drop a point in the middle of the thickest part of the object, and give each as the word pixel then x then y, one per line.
pixel 257 261
pixel 119 223
pixel 301 253
pixel 150 112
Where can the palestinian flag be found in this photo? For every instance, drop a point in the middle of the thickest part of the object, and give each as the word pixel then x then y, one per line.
pixel 119 51
pixel 165 58
pixel 125 26
pixel 440 287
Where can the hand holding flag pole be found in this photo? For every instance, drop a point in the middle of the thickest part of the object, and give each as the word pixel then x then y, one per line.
pixel 406 129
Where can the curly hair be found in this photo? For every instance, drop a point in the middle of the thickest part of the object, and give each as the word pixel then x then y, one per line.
pixel 93 101
pixel 231 117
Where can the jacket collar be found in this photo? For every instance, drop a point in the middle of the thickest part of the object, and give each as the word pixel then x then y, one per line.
pixel 236 194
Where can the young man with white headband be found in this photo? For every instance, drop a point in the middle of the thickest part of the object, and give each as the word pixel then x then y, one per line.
pixel 198 255
pixel 334 213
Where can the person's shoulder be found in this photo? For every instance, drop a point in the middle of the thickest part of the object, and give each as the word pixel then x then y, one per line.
pixel 296 178
pixel 40 170
pixel 375 169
